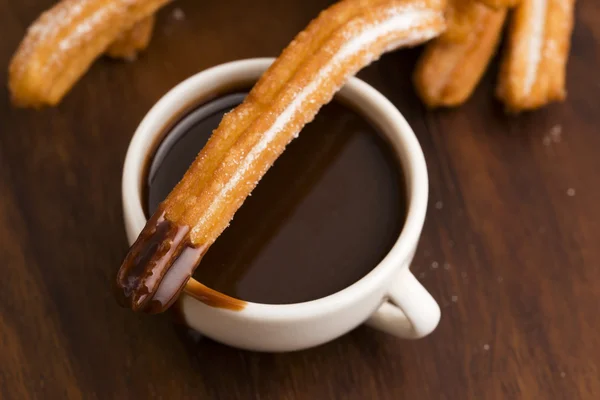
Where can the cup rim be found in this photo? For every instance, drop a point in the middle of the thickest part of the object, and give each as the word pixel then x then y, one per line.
pixel 401 139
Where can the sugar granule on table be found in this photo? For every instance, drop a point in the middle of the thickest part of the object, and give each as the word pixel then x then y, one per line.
pixel 555 135
pixel 178 14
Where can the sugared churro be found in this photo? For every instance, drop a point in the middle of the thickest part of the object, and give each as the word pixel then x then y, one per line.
pixel 449 70
pixel 62 43
pixel 342 40
pixel 129 43
pixel 534 65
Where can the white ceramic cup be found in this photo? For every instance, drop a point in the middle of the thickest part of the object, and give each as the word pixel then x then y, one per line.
pixel 388 298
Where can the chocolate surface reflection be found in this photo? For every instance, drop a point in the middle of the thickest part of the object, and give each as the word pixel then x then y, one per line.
pixel 322 218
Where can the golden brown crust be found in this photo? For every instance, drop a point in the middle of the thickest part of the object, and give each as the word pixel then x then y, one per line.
pixel 62 43
pixel 534 63
pixel 461 16
pixel 131 42
pixel 449 71
pixel 342 40
pixel 498 4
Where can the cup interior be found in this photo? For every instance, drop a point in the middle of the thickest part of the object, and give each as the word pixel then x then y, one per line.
pixel 242 74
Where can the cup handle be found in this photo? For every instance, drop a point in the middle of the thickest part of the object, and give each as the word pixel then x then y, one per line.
pixel 410 312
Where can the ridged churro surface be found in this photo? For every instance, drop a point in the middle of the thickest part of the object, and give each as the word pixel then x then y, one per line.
pixel 449 70
pixel 534 63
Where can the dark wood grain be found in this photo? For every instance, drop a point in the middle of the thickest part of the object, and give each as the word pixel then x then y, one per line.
pixel 517 258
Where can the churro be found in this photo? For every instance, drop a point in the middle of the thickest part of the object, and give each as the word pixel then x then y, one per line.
pixel 129 43
pixel 449 70
pixel 63 42
pixel 342 40
pixel 461 17
pixel 534 64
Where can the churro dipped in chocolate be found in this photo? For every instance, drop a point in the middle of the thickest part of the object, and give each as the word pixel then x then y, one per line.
pixel 62 43
pixel 452 65
pixel 342 40
pixel 534 63
pixel 131 42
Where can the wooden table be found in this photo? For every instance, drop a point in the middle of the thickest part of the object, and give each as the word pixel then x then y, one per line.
pixel 510 248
